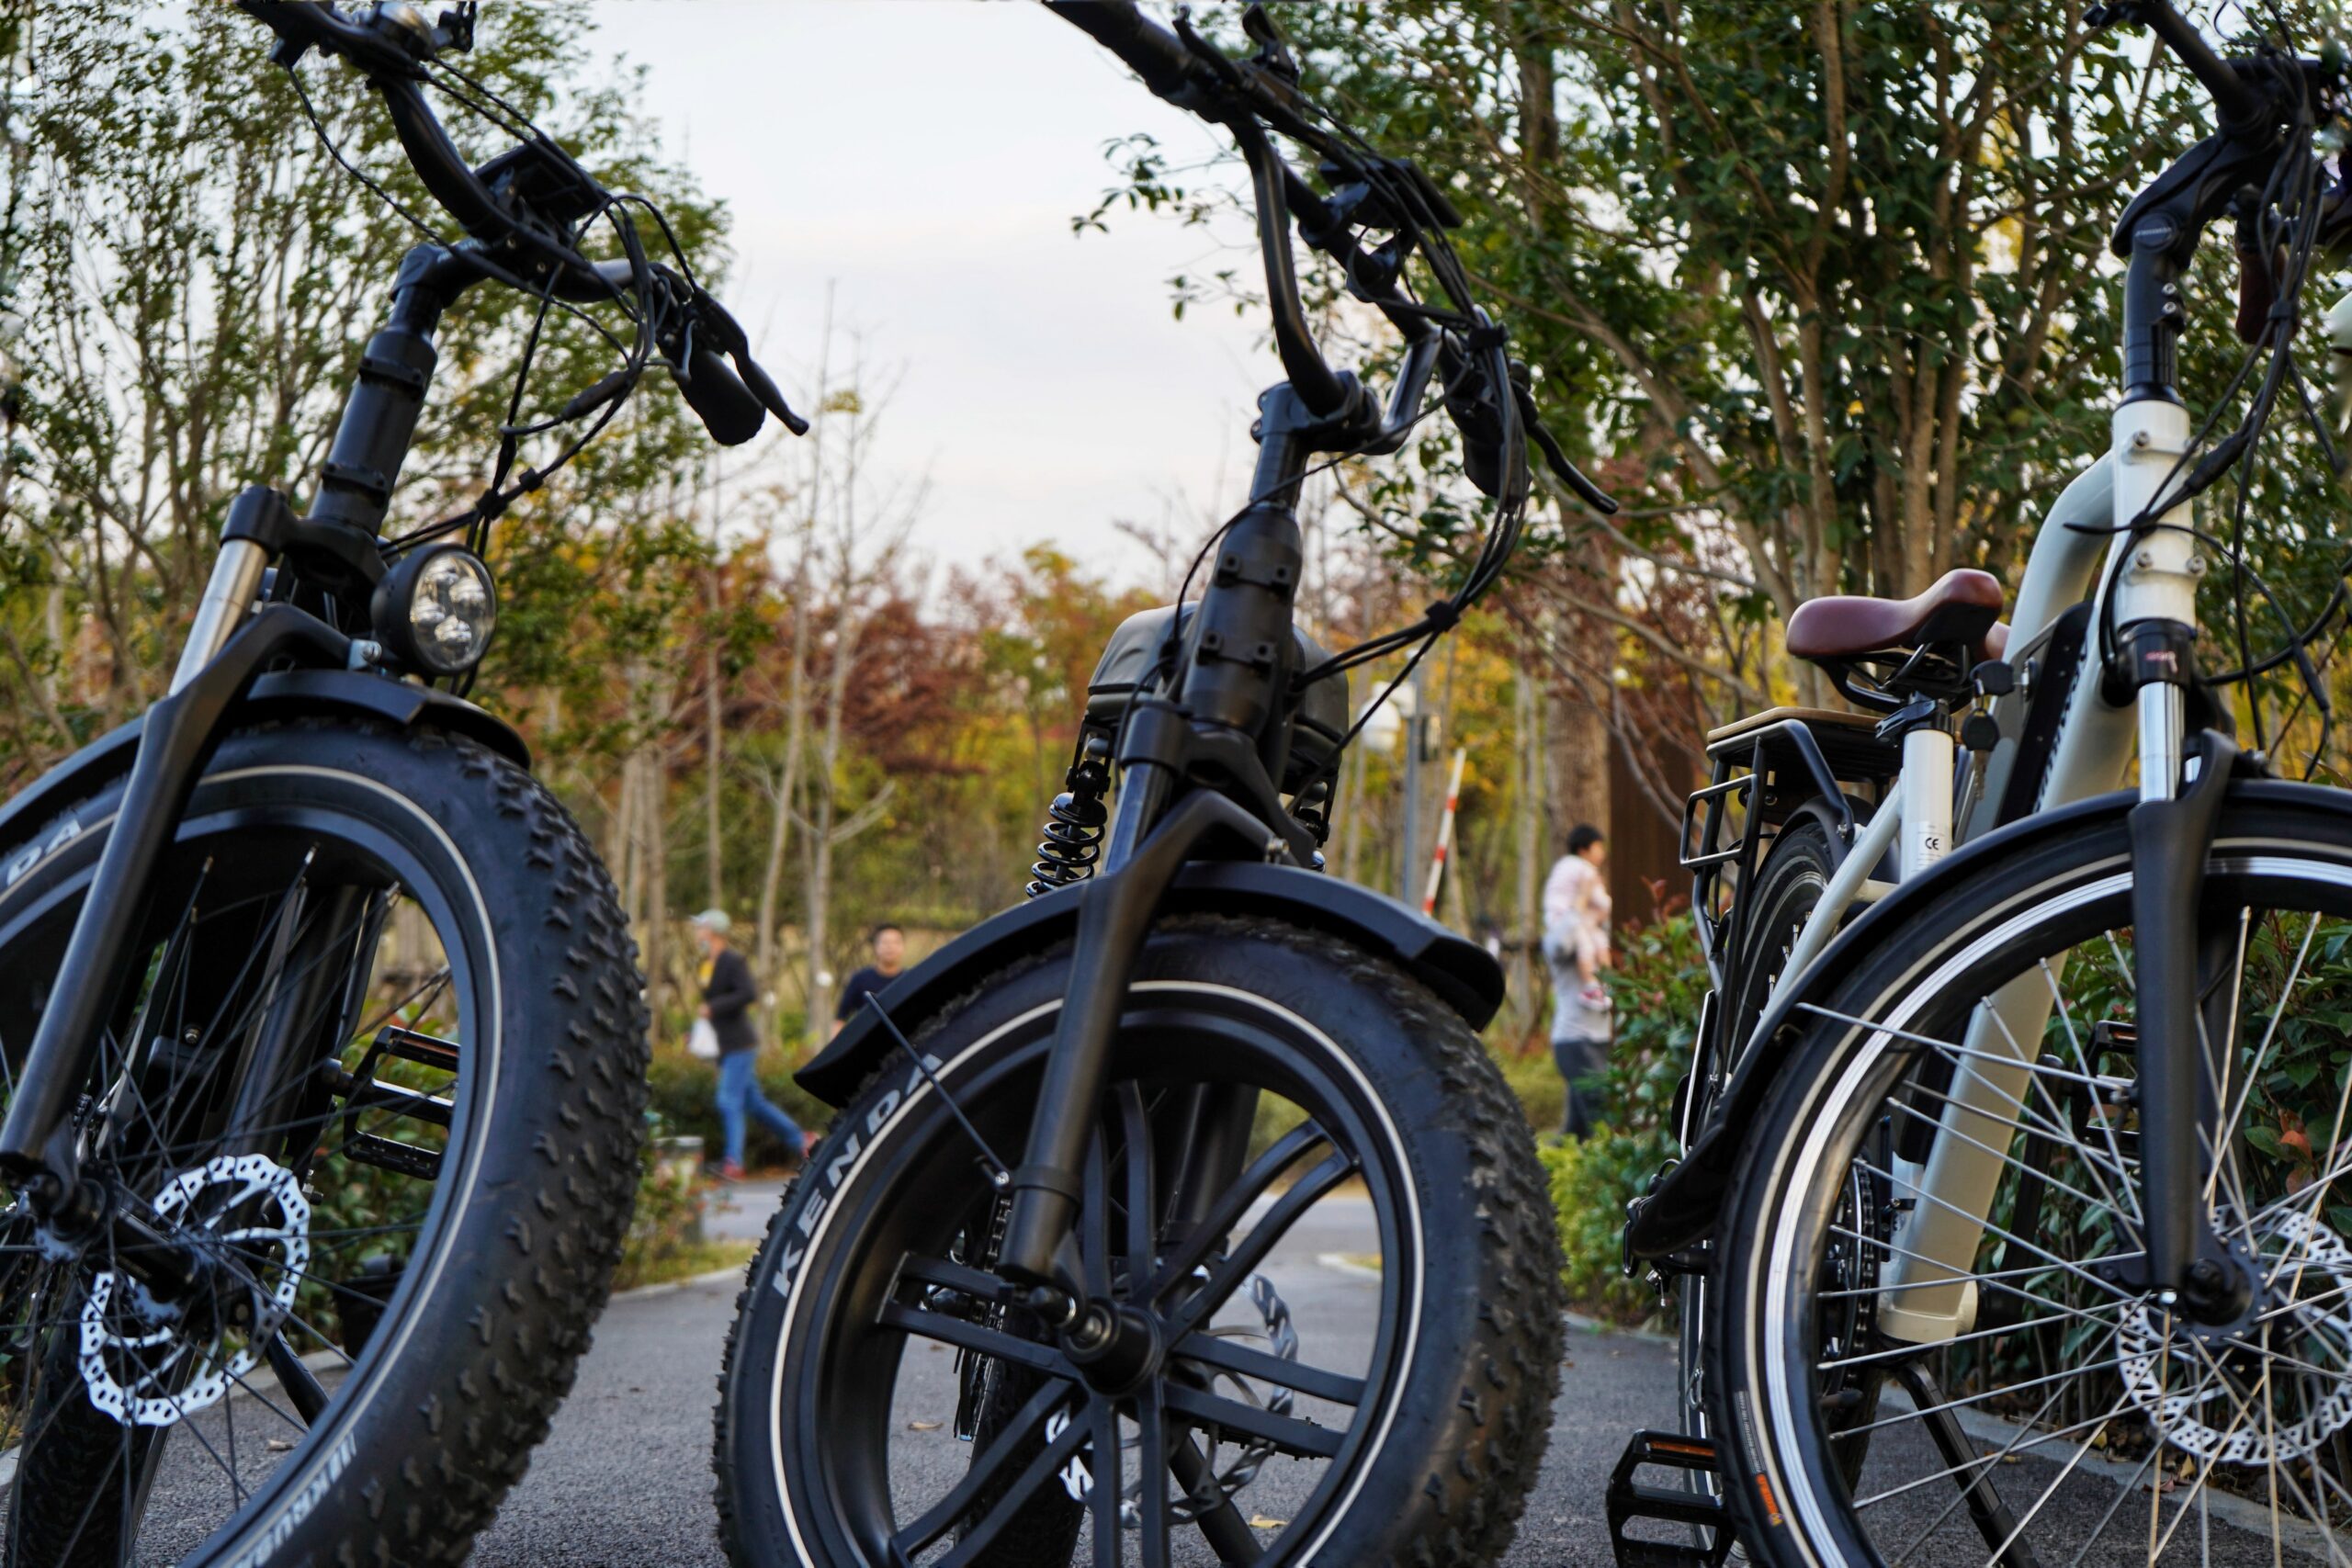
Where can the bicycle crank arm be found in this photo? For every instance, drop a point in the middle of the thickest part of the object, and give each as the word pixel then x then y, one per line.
pixel 1112 921
pixel 37 1140
pixel 2170 838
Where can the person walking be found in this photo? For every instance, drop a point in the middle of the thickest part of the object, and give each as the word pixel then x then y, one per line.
pixel 728 993
pixel 889 946
pixel 1576 947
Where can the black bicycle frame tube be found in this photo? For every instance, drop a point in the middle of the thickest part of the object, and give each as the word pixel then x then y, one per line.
pixel 379 422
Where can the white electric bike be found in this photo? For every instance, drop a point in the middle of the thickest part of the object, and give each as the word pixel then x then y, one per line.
pixel 2008 1226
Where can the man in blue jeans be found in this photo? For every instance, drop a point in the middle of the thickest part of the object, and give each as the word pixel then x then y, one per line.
pixel 728 993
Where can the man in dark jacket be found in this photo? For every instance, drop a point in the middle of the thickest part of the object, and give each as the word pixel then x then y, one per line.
pixel 728 993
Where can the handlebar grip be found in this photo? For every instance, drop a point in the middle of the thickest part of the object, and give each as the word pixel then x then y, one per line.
pixel 727 408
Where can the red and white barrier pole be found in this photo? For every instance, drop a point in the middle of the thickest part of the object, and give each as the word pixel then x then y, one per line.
pixel 1444 833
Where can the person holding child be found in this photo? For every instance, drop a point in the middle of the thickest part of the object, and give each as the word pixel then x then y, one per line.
pixel 1576 947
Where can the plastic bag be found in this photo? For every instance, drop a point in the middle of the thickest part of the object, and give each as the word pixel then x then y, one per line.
pixel 702 1043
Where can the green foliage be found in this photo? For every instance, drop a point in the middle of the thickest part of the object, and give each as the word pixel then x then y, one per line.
pixel 196 276
pixel 666 1224
pixel 1657 987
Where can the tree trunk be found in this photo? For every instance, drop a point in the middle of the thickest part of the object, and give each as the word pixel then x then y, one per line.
pixel 1527 813
pixel 713 746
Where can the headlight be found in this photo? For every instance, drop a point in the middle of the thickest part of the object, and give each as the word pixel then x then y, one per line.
pixel 434 612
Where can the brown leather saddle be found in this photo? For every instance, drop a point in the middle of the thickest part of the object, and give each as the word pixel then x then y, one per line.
pixel 1884 652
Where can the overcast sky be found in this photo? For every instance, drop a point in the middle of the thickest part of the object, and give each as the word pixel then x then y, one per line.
pixel 925 157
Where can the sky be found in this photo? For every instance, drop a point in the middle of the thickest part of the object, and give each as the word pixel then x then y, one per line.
pixel 923 159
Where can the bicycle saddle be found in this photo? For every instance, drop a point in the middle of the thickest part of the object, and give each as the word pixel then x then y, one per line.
pixel 1962 607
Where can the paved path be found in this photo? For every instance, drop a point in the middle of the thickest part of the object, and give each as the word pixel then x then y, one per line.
pixel 625 1480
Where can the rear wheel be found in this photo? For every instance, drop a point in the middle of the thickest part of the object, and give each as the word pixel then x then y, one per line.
pixel 1789 884
pixel 1338 1337
pixel 378 1077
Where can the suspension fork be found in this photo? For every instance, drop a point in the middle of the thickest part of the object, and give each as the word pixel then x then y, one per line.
pixel 225 650
pixel 2171 834
pixel 36 1139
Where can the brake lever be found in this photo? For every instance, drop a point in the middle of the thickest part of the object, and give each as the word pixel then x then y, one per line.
pixel 1591 494
pixel 1273 54
pixel 737 343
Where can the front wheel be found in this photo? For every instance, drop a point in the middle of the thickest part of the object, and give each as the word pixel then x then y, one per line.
pixel 1318 1210
pixel 1926 1340
pixel 378 1073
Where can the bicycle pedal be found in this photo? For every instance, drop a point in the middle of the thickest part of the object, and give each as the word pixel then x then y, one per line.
pixel 1688 1512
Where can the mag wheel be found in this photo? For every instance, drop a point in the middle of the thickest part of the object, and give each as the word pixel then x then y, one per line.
pixel 375 1089
pixel 1927 1343
pixel 1276 1094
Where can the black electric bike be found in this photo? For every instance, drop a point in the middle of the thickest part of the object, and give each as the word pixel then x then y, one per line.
pixel 322 1038
pixel 1070 1143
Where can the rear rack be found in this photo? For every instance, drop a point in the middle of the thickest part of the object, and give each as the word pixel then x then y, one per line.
pixel 1765 767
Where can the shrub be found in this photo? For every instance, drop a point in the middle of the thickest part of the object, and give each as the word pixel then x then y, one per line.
pixel 1657 985
pixel 667 1222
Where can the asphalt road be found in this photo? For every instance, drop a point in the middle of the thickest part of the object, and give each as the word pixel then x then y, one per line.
pixel 624 1479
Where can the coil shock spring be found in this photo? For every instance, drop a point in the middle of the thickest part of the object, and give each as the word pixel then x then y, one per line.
pixel 1073 841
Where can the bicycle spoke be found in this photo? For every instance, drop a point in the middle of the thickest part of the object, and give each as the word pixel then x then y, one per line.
pixel 1045 1467
pixel 1102 1496
pixel 1243 1261
pixel 1302 1439
pixel 1153 1473
pixel 941 1516
pixel 1232 1204
pixel 1243 1361
pixel 967 1335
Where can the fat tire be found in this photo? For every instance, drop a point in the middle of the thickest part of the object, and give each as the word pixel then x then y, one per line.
pixel 420 1467
pixel 1475 1413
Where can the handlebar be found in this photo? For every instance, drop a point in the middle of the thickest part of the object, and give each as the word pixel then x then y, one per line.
pixel 692 330
pixel 2238 100
pixel 392 50
pixel 1492 406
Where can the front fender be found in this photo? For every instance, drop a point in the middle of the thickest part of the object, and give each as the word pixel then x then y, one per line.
pixel 284 694
pixel 1464 975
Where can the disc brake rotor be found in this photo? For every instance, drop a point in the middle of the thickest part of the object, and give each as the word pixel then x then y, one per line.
pixel 137 1358
pixel 1280 1339
pixel 2210 1400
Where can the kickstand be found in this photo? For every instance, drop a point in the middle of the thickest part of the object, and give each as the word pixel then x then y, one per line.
pixel 1993 1518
